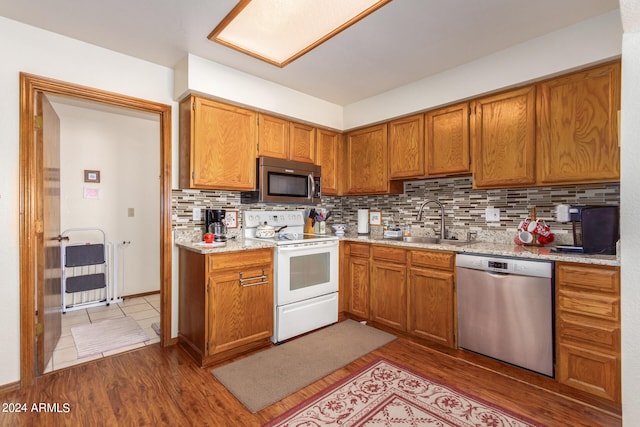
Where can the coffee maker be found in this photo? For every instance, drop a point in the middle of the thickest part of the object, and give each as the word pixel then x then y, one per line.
pixel 214 223
pixel 596 230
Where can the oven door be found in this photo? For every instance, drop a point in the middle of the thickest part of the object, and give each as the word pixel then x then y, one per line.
pixel 305 271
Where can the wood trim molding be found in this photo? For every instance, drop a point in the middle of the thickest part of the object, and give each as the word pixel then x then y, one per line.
pixel 29 85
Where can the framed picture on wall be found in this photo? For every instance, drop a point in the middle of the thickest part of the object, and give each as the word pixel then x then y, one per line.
pixel 92 176
pixel 375 218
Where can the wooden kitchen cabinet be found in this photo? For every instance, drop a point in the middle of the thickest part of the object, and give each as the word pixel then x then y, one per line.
pixel 328 157
pixel 284 139
pixel 503 139
pixel 389 286
pixel 273 136
pixel 447 140
pixel 357 279
pixel 406 147
pixel 226 303
pixel 588 329
pixel 431 305
pixel 217 145
pixel 366 162
pixel 577 139
pixel 302 143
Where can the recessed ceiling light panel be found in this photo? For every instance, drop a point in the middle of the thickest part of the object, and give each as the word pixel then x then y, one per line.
pixel 279 31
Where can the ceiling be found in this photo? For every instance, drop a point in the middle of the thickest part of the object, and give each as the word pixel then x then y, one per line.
pixel 404 41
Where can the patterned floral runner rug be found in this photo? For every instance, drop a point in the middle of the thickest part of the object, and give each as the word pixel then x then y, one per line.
pixel 385 394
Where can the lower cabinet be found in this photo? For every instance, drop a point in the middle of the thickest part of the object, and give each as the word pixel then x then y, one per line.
pixel 431 312
pixel 588 329
pixel 357 280
pixel 226 303
pixel 408 290
pixel 389 286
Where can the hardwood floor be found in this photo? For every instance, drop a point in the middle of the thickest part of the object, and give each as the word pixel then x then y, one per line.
pixel 163 386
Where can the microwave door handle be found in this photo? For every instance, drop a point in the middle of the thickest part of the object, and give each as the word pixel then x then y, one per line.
pixel 312 187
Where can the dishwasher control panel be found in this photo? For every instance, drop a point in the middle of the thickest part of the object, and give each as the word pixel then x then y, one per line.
pixel 507 265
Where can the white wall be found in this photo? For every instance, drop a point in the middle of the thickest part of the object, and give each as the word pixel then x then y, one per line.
pixel 28 49
pixel 630 206
pixel 195 74
pixel 126 151
pixel 584 43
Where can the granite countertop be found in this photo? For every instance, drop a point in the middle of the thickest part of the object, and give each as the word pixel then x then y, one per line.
pixel 487 248
pixel 231 245
pixel 501 249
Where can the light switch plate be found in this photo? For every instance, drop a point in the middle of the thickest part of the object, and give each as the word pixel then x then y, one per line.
pixel 197 214
pixel 492 214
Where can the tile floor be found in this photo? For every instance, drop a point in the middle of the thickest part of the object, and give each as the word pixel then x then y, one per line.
pixel 145 310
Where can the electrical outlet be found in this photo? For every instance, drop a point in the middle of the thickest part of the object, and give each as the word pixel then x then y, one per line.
pixel 197 214
pixel 131 212
pixel 492 214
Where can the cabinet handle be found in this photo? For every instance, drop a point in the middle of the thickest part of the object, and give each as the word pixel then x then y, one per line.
pixel 251 281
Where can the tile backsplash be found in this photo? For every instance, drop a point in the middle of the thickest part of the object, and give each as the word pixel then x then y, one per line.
pixel 464 207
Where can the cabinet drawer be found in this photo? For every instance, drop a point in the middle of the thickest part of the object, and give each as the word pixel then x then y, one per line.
pixel 601 333
pixel 239 260
pixel 594 305
pixel 442 260
pixel 588 277
pixel 384 253
pixel 359 249
pixel 595 372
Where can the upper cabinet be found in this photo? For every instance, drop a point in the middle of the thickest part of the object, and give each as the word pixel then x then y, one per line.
pixel 217 145
pixel 503 139
pixel 366 161
pixel 302 143
pixel 284 139
pixel 447 140
pixel 327 156
pixel 273 136
pixel 406 147
pixel 577 139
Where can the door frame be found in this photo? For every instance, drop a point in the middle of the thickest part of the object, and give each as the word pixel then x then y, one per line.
pixel 29 227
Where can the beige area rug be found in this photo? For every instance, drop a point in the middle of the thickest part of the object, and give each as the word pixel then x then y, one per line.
pixel 107 335
pixel 266 377
pixel 385 394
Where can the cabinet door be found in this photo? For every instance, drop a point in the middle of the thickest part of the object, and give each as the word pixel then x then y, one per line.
pixel 448 140
pixel 388 294
pixel 366 161
pixel 241 311
pixel 431 305
pixel 302 144
pixel 327 157
pixel 358 283
pixel 406 147
pixel 222 148
pixel 273 137
pixel 503 139
pixel 578 127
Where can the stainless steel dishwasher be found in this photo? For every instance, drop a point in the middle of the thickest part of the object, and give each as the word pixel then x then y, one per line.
pixel 505 309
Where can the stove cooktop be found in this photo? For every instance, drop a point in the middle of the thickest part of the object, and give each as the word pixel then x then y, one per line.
pixel 292 234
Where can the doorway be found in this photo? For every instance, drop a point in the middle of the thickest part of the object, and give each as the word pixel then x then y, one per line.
pixel 31 224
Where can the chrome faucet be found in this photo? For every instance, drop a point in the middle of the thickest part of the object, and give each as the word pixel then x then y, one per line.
pixel 442 228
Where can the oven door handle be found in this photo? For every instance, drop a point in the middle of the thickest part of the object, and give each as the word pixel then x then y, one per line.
pixel 317 245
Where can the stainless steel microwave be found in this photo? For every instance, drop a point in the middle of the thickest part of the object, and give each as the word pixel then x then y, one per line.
pixel 284 181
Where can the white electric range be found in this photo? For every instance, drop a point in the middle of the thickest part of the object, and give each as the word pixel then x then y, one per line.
pixel 305 273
